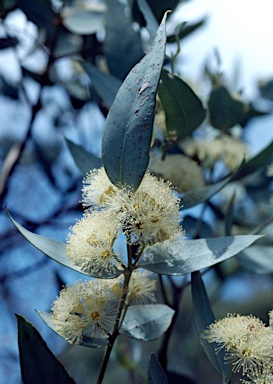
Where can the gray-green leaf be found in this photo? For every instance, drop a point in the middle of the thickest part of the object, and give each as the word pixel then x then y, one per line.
pixel 128 127
pixel 147 322
pixel 179 256
pixel 84 160
pixel 105 84
pixel 204 317
pixel 56 250
pixel 156 375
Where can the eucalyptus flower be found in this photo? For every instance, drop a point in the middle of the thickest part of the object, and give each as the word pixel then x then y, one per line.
pixel 148 215
pixel 141 288
pixel 184 173
pixel 260 375
pixel 229 149
pixel 97 187
pixel 85 310
pixel 248 343
pixel 90 245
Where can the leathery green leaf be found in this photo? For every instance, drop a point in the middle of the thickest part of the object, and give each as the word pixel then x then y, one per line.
pixel 128 128
pixel 183 109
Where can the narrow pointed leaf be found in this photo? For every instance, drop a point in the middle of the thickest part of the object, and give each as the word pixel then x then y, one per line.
pixel 256 162
pixel 38 364
pixel 146 322
pixel 128 127
pixel 156 375
pixel 179 256
pixel 84 160
pixel 203 318
pixel 184 29
pixel 105 84
pixel 86 342
pixel 183 109
pixel 56 250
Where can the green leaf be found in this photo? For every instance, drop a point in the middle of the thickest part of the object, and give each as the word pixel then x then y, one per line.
pixel 128 127
pixel 224 110
pixel 256 162
pixel 183 109
pixel 57 251
pixel 185 29
pixel 122 44
pixel 146 322
pixel 179 256
pixel 156 375
pixel 105 85
pixel 203 318
pixel 86 342
pixel 38 364
pixel 84 20
pixel 257 259
pixel 84 160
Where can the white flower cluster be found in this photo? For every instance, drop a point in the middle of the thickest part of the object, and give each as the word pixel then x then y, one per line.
pixel 90 310
pixel 230 150
pixel 147 216
pixel 248 345
pixel 184 173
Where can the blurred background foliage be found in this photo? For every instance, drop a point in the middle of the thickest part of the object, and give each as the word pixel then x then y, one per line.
pixel 63 65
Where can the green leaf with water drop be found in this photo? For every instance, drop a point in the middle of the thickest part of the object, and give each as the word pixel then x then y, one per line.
pixel 128 128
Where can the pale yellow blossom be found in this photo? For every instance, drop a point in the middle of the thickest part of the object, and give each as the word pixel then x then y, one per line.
pixel 90 245
pixel 229 149
pixel 148 215
pixel 184 173
pixel 85 310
